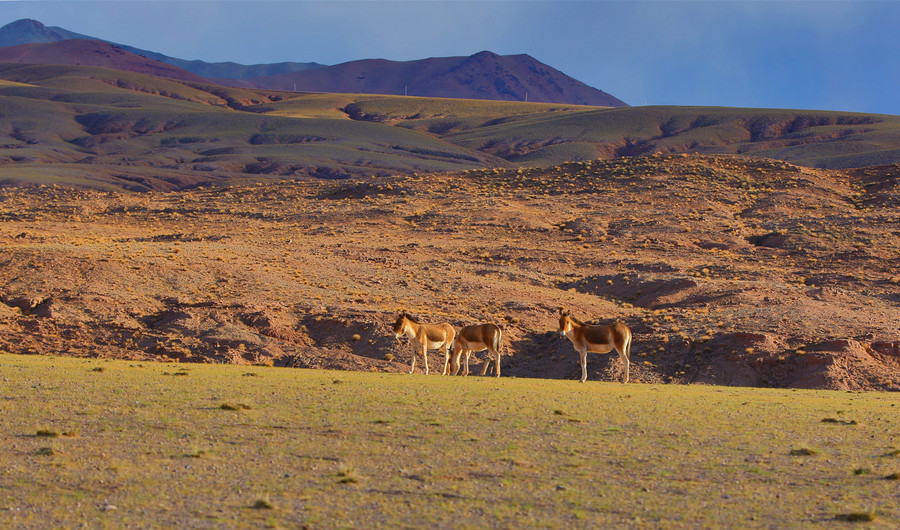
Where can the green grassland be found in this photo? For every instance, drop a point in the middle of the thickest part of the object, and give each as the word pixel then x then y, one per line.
pixel 109 119
pixel 124 444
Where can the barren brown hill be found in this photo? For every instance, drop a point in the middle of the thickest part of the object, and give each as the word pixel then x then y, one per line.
pixel 729 270
pixel 484 75
pixel 92 53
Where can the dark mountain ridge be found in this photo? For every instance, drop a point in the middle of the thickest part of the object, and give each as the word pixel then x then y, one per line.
pixel 484 75
pixel 82 52
pixel 27 31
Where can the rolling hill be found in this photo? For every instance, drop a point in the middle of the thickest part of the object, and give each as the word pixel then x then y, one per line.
pixel 101 127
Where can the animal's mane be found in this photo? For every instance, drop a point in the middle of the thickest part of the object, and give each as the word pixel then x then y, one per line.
pixel 407 315
pixel 575 320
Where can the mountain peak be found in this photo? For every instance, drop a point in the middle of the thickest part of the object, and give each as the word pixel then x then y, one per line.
pixel 485 55
pixel 29 31
pixel 25 23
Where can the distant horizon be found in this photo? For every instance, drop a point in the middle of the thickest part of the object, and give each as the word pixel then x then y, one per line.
pixel 807 55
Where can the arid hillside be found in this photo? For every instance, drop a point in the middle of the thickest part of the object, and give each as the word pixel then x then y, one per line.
pixel 729 270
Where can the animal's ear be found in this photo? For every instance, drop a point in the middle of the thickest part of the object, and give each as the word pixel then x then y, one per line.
pixel 564 312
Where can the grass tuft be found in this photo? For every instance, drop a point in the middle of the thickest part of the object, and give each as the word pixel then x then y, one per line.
pixel 856 517
pixel 803 451
pixel 263 504
pixel 234 406
pixel 347 474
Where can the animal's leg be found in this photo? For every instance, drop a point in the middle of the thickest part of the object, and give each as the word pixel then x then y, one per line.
pixel 413 367
pixel 425 356
pixel 455 353
pixel 446 370
pixel 468 354
pixel 583 365
pixel 487 363
pixel 497 363
pixel 625 355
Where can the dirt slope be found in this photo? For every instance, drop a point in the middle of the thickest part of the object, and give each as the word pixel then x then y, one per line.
pixel 730 270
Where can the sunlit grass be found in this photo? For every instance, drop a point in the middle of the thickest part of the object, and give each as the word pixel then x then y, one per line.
pixel 363 449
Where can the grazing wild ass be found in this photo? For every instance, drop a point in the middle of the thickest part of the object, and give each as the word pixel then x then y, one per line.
pixel 423 337
pixel 596 339
pixel 477 338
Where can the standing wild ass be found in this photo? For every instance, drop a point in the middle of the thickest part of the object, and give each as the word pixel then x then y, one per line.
pixel 477 338
pixel 596 339
pixel 423 337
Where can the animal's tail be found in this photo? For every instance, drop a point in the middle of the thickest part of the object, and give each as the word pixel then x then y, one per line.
pixel 498 341
pixel 628 346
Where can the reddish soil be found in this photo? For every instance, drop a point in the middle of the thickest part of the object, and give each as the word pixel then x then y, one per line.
pixel 729 270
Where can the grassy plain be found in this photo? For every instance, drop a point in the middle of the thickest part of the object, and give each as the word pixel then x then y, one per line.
pixel 126 444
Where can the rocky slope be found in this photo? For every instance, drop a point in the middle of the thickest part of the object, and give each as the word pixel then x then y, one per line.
pixel 729 270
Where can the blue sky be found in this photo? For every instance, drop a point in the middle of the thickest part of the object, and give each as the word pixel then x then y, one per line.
pixel 824 55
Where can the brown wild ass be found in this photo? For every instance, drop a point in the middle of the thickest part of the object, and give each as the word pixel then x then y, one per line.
pixel 423 337
pixel 596 339
pixel 476 338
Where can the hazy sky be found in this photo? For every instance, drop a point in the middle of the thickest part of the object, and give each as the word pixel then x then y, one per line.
pixel 826 55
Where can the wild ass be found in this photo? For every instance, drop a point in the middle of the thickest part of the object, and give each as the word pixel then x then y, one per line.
pixel 475 338
pixel 423 337
pixel 596 339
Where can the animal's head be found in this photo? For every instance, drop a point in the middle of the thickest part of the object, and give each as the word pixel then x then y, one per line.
pixel 565 322
pixel 403 320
